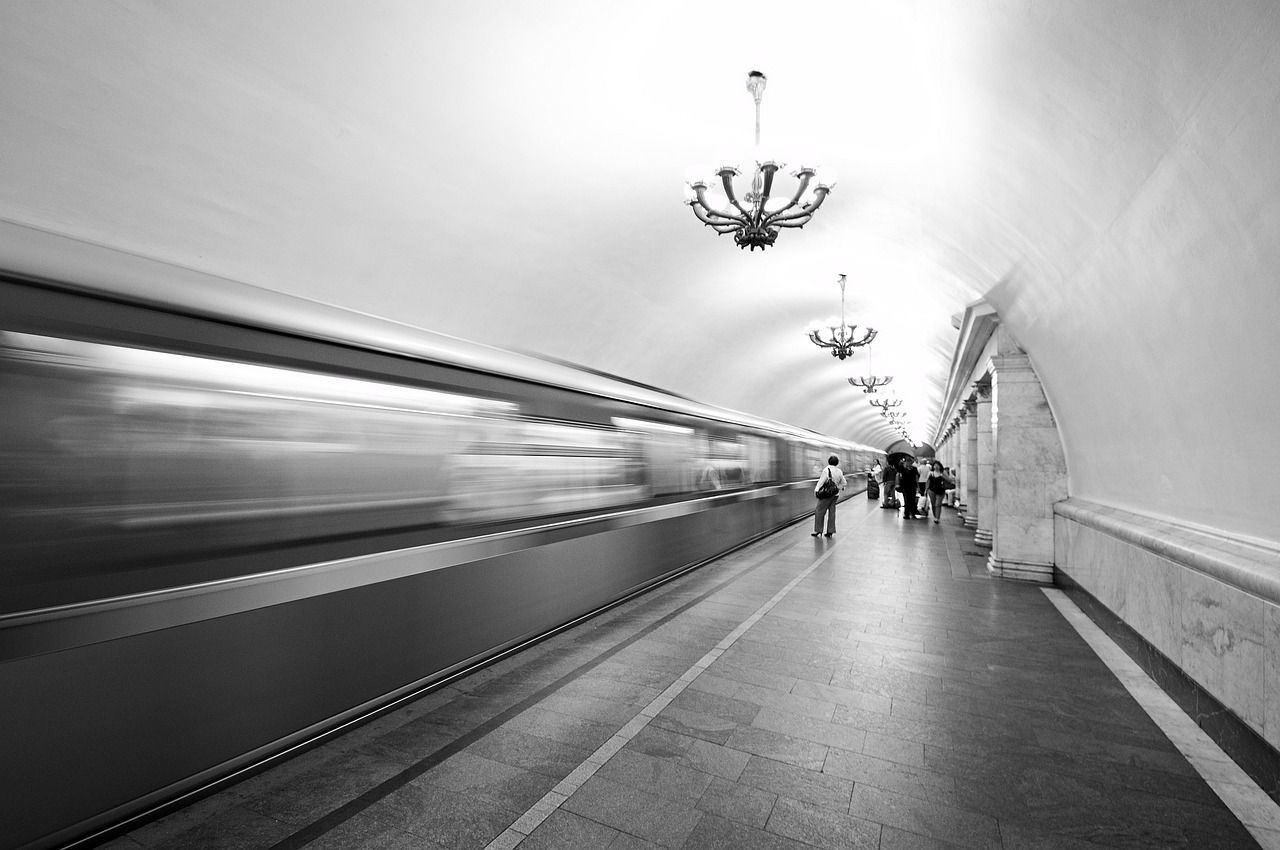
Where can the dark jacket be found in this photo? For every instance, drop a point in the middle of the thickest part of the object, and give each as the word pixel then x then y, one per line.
pixel 908 479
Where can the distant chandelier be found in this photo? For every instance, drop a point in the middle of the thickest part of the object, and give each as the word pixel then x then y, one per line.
pixel 754 220
pixel 842 340
pixel 870 382
pixel 886 404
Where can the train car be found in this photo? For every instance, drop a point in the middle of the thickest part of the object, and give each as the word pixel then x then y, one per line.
pixel 234 522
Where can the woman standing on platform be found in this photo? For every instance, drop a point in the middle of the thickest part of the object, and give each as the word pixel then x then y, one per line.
pixel 827 491
pixel 936 486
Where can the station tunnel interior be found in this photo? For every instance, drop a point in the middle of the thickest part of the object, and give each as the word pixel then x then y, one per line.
pixel 1102 178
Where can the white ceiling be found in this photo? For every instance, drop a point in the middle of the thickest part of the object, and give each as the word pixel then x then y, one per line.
pixel 1104 173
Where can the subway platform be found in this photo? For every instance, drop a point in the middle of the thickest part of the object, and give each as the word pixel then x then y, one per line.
pixel 874 689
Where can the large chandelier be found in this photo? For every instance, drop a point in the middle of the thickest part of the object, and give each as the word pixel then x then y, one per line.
pixel 842 339
pixel 870 382
pixel 754 217
pixel 886 405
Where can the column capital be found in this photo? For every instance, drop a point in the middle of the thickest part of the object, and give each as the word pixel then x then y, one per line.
pixel 983 392
pixel 970 407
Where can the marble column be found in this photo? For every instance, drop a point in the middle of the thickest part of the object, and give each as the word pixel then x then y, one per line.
pixel 971 464
pixel 985 467
pixel 1030 473
pixel 961 461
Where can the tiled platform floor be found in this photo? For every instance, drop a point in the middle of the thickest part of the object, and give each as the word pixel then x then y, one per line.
pixel 871 690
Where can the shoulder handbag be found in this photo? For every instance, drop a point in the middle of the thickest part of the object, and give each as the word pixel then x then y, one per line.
pixel 829 487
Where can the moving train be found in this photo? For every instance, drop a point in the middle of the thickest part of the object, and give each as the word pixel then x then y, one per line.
pixel 233 522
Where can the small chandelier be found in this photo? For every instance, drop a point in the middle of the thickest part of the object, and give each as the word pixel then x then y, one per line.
pixel 755 218
pixel 842 341
pixel 870 382
pixel 886 404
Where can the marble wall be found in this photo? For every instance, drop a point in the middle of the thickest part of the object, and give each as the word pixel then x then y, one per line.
pixel 1211 605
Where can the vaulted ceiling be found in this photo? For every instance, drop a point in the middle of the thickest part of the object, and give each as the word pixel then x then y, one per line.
pixel 510 172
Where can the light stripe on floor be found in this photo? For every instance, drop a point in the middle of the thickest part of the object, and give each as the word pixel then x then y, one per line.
pixel 1258 812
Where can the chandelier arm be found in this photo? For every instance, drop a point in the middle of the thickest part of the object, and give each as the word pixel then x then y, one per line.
pixel 790 222
pixel 806 212
pixel 705 213
pixel 769 171
pixel 715 218
pixel 726 177
pixel 816 337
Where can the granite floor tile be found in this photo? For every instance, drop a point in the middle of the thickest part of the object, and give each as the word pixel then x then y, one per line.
pixel 843 695
pixel 658 776
pixel 480 778
pixel 366 833
pixel 738 803
pixel 452 820
pixel 728 708
pixel 712 759
pixel 235 828
pixel 892 838
pixel 958 826
pixel 808 729
pixel 625 841
pixel 564 830
pixel 797 783
pixel 714 833
pixel 552 758
pixel 565 728
pixel 891 776
pixel 778 746
pixel 696 724
pixel 792 703
pixel 639 813
pixel 893 749
pixel 591 708
pixel 822 827
pixel 313 794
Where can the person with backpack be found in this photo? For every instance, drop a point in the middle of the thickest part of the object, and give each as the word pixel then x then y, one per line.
pixel 827 492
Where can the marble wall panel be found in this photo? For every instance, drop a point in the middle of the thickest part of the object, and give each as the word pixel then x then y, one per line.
pixel 1153 597
pixel 1022 493
pixel 1028 539
pixel 1063 532
pixel 1224 644
pixel 1113 576
pixel 1022 403
pixel 1034 449
pixel 1271 679
pixel 1225 639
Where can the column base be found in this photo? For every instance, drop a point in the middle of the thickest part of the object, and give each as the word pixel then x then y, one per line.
pixel 1020 570
pixel 983 537
pixel 970 521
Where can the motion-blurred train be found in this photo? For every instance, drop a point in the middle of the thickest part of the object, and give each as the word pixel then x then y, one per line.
pixel 232 522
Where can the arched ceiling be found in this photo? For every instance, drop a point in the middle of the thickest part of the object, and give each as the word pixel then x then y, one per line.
pixel 511 172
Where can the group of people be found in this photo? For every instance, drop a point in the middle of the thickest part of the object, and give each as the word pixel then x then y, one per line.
pixel 926 486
